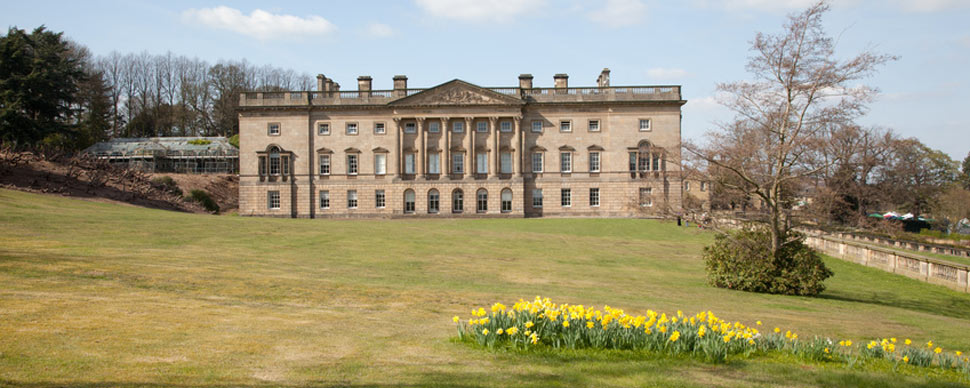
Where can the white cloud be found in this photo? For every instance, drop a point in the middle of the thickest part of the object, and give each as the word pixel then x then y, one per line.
pixel 479 10
pixel 932 5
pixel 619 13
pixel 768 5
pixel 378 30
pixel 666 74
pixel 259 24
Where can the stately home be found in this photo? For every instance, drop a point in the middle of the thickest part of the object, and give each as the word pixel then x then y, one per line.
pixel 461 150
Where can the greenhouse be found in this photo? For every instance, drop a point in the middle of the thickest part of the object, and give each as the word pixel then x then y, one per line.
pixel 191 155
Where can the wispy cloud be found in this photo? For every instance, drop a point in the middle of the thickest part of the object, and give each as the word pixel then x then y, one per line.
pixel 666 74
pixel 768 5
pixel 479 10
pixel 620 13
pixel 259 24
pixel 379 30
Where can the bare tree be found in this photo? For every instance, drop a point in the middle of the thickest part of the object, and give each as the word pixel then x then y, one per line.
pixel 799 95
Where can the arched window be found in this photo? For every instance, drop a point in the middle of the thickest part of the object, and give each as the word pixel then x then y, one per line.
pixel 506 200
pixel 482 201
pixel 457 201
pixel 274 161
pixel 433 201
pixel 409 201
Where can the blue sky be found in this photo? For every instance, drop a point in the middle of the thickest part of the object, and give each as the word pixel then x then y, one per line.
pixel 694 43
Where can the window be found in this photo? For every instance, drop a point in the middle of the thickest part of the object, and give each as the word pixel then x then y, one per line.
pixel 379 128
pixel 565 126
pixel 566 197
pixel 410 128
pixel 537 126
pixel 351 128
pixel 323 129
pixel 433 127
pixel 506 201
pixel 273 129
pixel 433 201
pixel 457 201
pixel 379 199
pixel 481 162
pixel 633 162
pixel 458 163
pixel 537 162
pixel 482 126
pixel 565 162
pixel 458 127
pixel 506 162
pixel 324 199
pixel 482 201
pixel 274 161
pixel 380 164
pixel 645 196
pixel 686 186
pixel 434 163
pixel 273 200
pixel 506 126
pixel 351 199
pixel 656 162
pixel 594 196
pixel 594 162
pixel 644 124
pixel 537 198
pixel 352 164
pixel 703 186
pixel 409 163
pixel 324 164
pixel 594 125
pixel 644 162
pixel 409 201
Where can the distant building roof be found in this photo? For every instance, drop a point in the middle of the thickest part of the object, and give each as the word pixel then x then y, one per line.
pixel 166 145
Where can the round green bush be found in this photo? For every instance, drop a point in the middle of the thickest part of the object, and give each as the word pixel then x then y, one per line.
pixel 742 260
pixel 168 184
pixel 207 202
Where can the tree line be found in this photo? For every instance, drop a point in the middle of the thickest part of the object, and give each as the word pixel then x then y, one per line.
pixel 54 92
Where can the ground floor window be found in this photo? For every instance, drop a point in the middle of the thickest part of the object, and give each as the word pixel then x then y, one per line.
pixel 482 203
pixel 409 201
pixel 434 200
pixel 457 201
pixel 566 197
pixel 506 201
pixel 351 199
pixel 324 199
pixel 273 200
pixel 594 196
pixel 646 198
pixel 379 200
pixel 537 198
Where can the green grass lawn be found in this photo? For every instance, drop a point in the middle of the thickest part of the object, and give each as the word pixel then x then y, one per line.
pixel 101 295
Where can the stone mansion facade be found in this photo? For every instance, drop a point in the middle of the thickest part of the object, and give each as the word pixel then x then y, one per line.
pixel 458 149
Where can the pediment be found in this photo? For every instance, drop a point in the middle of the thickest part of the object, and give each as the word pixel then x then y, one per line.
pixel 457 92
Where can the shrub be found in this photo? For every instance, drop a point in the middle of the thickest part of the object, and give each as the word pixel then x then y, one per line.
pixel 168 184
pixel 742 260
pixel 207 202
pixel 200 142
pixel 234 140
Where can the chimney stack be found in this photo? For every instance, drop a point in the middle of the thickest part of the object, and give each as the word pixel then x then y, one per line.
pixel 321 83
pixel 525 81
pixel 400 85
pixel 562 81
pixel 603 80
pixel 363 84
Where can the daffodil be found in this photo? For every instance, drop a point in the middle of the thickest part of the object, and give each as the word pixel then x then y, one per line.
pixel 906 359
pixel 938 350
pixel 456 319
pixel 484 331
pixel 675 336
pixel 907 341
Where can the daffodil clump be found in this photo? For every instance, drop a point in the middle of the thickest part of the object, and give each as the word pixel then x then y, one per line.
pixel 541 323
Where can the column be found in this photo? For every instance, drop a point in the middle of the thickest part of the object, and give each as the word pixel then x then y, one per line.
pixel 421 158
pixel 469 147
pixel 398 153
pixel 494 133
pixel 517 154
pixel 445 162
pixel 520 129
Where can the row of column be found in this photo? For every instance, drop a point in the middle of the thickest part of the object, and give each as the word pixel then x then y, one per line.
pixel 445 162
